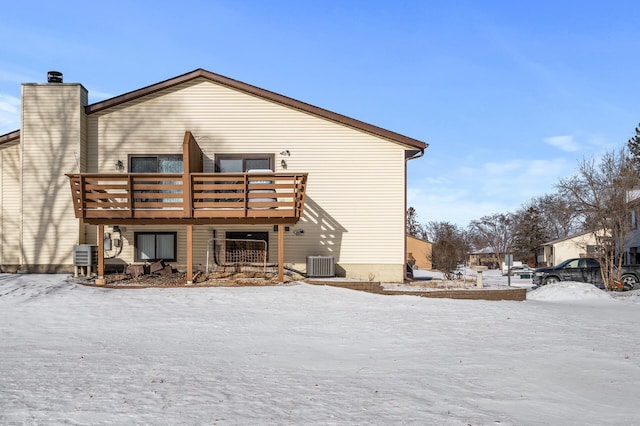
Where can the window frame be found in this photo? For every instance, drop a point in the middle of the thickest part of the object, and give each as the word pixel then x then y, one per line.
pixel 244 157
pixel 136 258
pixel 157 157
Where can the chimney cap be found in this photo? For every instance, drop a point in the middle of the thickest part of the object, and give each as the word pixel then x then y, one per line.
pixel 54 77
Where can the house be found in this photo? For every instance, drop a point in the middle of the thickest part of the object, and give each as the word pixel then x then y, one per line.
pixel 419 252
pixel 584 244
pixel 168 170
pixel 632 243
pixel 484 257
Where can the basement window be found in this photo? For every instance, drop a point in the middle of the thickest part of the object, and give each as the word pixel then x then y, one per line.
pixel 155 246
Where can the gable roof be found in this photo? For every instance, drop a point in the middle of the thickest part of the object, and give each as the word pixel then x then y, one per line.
pixel 568 237
pixel 261 93
pixel 486 250
pixel 419 239
pixel 9 137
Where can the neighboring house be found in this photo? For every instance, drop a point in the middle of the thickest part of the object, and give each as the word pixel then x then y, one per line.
pixel 632 247
pixel 419 252
pixel 484 257
pixel 584 244
pixel 327 184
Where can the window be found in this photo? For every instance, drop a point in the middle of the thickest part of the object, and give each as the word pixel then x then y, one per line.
pixel 590 263
pixel 241 163
pixel 154 246
pixel 573 264
pixel 170 163
pixel 162 163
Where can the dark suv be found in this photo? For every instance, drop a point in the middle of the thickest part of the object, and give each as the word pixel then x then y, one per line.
pixel 583 269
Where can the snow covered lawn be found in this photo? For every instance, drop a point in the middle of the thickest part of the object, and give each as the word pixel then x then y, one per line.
pixel 302 354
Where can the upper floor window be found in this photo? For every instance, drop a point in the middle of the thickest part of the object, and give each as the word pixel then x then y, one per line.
pixel 242 163
pixel 161 163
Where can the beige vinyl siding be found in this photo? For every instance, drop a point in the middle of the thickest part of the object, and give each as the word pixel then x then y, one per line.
pixel 51 143
pixel 573 247
pixel 355 198
pixel 200 237
pixel 181 235
pixel 10 204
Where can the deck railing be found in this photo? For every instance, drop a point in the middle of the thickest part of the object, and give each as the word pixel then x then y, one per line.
pixel 188 196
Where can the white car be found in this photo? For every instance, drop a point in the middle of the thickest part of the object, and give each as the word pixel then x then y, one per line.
pixel 521 270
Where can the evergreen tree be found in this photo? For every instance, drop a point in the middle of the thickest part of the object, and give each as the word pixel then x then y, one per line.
pixel 633 145
pixel 413 228
pixel 530 234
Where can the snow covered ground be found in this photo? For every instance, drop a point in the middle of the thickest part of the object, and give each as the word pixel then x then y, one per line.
pixel 302 354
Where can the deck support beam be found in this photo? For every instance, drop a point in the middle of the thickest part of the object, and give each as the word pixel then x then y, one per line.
pixel 189 254
pixel 281 253
pixel 100 278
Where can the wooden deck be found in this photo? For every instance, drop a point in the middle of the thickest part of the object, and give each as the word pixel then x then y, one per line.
pixel 189 198
pixel 194 198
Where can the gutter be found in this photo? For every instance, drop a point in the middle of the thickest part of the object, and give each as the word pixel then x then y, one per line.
pixel 404 255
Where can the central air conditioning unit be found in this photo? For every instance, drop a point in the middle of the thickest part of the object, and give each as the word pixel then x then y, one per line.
pixel 85 255
pixel 320 266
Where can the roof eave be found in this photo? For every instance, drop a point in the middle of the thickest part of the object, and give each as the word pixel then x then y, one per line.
pixel 11 136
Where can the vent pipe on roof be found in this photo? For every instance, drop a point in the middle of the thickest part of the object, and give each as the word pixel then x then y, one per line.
pixel 54 77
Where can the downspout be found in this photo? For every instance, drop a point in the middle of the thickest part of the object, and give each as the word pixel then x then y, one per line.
pixel 404 255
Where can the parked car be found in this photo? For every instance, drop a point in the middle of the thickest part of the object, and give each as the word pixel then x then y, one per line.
pixel 521 270
pixel 584 269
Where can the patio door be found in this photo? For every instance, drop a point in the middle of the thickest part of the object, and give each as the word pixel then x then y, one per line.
pixel 158 164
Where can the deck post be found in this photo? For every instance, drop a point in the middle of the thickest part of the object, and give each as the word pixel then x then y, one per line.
pixel 189 254
pixel 100 278
pixel 281 253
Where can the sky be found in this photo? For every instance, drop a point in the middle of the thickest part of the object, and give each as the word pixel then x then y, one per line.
pixel 510 96
pixel 314 355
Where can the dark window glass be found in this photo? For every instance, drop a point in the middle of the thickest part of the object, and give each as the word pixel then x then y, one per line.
pixel 155 163
pixel 154 246
pixel 256 164
pixel 242 163
pixel 230 165
pixel 144 165
pixel 591 263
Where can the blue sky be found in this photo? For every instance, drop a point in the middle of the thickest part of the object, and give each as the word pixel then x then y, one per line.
pixel 510 95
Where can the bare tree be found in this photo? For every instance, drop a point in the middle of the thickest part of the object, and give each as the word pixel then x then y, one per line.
pixel 449 247
pixel 497 231
pixel 558 215
pixel 599 190
pixel 545 218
